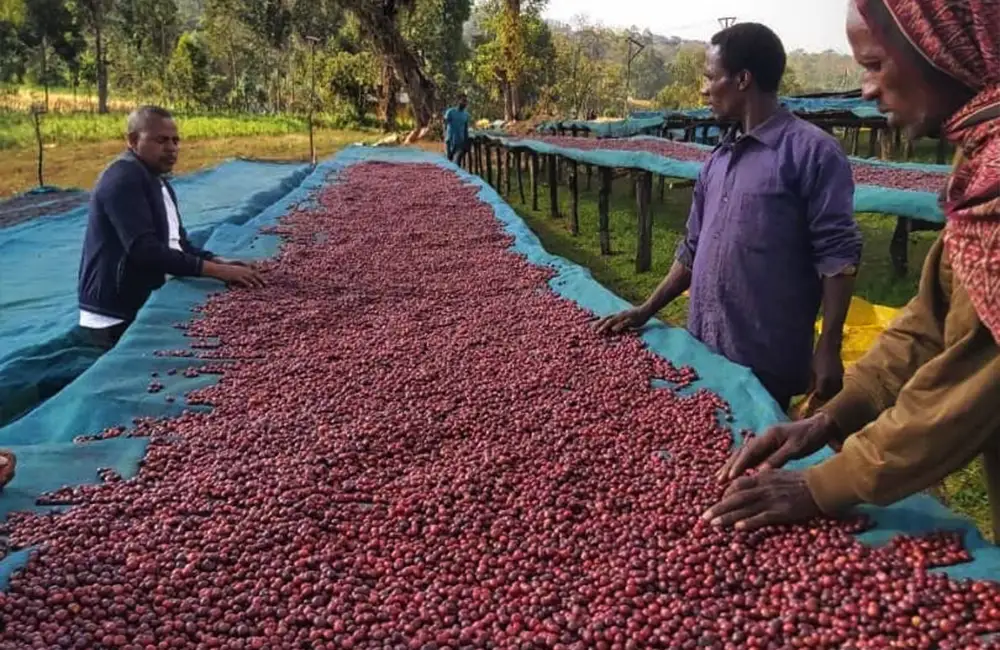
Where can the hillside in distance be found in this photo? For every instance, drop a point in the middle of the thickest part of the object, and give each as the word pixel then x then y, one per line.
pixel 810 71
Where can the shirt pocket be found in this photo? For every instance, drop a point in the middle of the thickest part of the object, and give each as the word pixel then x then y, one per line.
pixel 761 221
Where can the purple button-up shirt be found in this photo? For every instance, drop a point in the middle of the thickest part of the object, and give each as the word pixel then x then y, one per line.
pixel 773 214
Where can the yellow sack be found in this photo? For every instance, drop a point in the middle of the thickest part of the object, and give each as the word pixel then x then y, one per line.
pixel 864 323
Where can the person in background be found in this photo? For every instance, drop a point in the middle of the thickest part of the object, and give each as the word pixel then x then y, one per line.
pixel 771 234
pixel 135 238
pixel 456 130
pixel 922 402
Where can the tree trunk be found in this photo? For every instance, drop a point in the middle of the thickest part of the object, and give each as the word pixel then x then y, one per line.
pixel 45 72
pixel 97 15
pixel 388 106
pixel 380 26
pixel 511 45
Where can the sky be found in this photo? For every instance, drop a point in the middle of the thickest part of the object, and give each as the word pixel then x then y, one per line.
pixel 811 25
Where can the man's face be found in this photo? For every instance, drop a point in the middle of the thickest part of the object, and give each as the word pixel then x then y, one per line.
pixel 899 88
pixel 463 102
pixel 722 91
pixel 157 144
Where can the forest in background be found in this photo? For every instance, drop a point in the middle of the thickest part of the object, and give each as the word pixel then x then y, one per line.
pixel 360 61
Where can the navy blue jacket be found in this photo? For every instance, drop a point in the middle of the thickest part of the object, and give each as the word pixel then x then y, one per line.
pixel 126 251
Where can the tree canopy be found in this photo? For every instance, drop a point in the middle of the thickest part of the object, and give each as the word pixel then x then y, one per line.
pixel 364 56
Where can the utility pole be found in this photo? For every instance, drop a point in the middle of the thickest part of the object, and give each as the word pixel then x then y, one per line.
pixel 628 67
pixel 312 96
pixel 727 21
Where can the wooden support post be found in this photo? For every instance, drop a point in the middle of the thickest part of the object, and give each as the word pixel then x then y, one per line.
pixel 663 183
pixel 885 144
pixel 644 245
pixel 489 163
pixel 908 148
pixel 855 140
pixel 590 173
pixel 500 169
pixel 508 166
pixel 898 247
pixel 604 209
pixel 553 171
pixel 897 142
pixel 479 157
pixel 872 141
pixel 574 214
pixel 534 181
pixel 520 174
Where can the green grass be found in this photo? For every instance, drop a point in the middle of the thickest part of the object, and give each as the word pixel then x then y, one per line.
pixel 965 491
pixel 17 129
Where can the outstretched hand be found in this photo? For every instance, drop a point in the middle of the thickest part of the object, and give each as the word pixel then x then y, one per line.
pixel 625 321
pixel 779 445
pixel 767 499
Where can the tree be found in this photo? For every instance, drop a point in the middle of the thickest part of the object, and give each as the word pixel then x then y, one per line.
pixel 686 75
pixel 142 37
pixel 649 73
pixel 378 23
pixel 48 28
pixel 434 30
pixel 790 84
pixel 94 13
pixel 513 55
pixel 189 71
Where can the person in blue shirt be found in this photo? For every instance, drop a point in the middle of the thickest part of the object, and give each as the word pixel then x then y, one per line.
pixel 456 130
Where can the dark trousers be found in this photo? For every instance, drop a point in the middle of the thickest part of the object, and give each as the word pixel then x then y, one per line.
pixel 39 372
pixel 456 154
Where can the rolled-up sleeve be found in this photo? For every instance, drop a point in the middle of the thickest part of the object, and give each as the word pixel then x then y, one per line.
pixel 922 406
pixel 944 417
pixel 912 339
pixel 829 194
pixel 689 245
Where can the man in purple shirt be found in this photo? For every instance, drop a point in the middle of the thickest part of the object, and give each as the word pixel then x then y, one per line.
pixel 771 234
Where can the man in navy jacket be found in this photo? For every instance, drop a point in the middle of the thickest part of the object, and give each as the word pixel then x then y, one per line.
pixel 134 234
pixel 134 241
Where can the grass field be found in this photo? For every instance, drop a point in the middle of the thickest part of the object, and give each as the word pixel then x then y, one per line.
pixel 965 492
pixel 77 164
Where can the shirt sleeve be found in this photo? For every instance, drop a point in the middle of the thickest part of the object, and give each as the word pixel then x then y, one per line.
pixel 829 193
pixel 689 245
pixel 915 336
pixel 129 213
pixel 943 416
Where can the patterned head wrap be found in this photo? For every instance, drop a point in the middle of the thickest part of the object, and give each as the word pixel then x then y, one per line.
pixel 961 38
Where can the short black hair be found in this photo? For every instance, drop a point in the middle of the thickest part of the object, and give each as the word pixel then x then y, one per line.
pixel 139 118
pixel 755 48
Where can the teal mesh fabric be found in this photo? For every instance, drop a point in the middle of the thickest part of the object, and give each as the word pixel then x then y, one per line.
pixel 113 391
pixel 38 290
pixel 867 198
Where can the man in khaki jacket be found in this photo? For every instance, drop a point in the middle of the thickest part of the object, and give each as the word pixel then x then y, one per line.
pixel 925 400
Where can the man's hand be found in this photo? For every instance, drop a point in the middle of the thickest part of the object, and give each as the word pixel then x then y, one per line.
pixel 827 371
pixel 780 444
pixel 767 499
pixel 627 320
pixel 240 276
pixel 8 463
